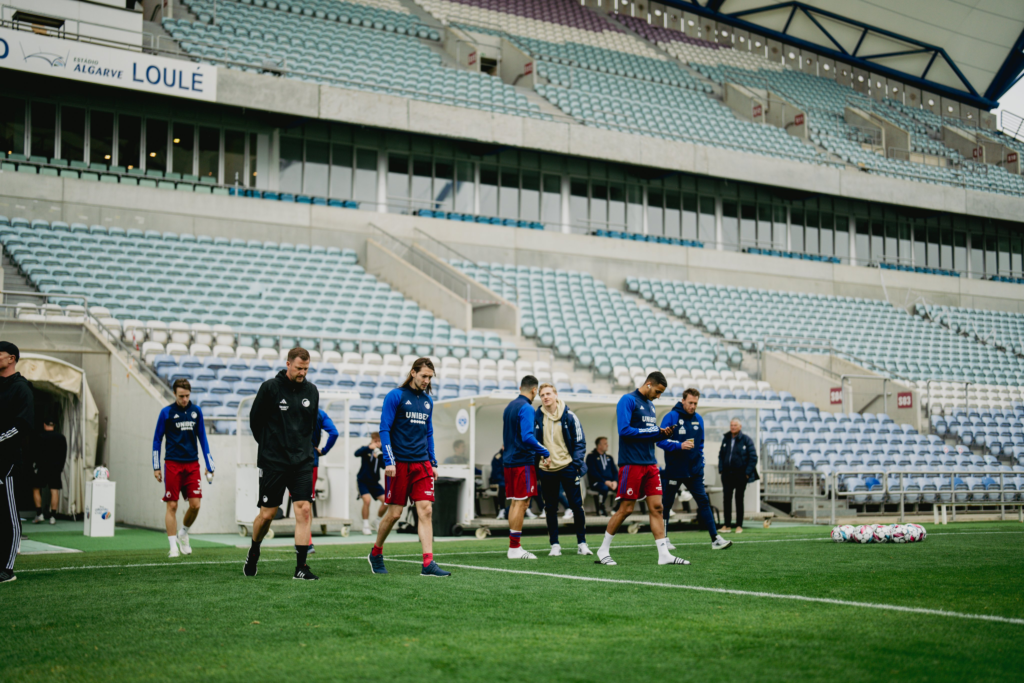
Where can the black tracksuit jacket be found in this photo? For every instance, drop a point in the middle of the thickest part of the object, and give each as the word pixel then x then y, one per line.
pixel 283 418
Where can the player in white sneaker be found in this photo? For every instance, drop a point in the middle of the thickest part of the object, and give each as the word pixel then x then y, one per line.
pixel 181 424
pixel 639 477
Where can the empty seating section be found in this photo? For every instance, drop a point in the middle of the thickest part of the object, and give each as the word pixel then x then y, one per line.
pixel 870 332
pixel 342 44
pixel 825 102
pixel 582 319
pixel 1000 328
pixel 999 431
pixel 688 49
pixel 866 450
pixel 104 173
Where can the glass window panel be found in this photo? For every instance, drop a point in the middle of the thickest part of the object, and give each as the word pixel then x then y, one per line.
pixel 706 228
pixel 529 198
pixel 616 196
pixel 72 133
pixel 488 190
pixel 341 171
pixel 578 215
pixel 234 157
pixel 1004 254
pixel 156 145
pixel 842 246
pixel 990 255
pixel 398 181
pixel 863 241
pixel 920 244
pixel 365 187
pixel 812 244
pixel 1015 257
pixel 551 204
pixel 422 187
pixel 209 151
pixel 508 199
pixel 315 172
pixel 690 215
pixel 748 225
pixel 101 136
pixel 730 225
pixel 253 154
pixel 891 242
pixel 635 215
pixel 905 244
pixel 599 209
pixel 949 257
pixel 183 146
pixel 12 125
pixel 290 169
pixel 959 244
pixel 779 227
pixel 764 225
pixel 129 138
pixel 673 214
pixel 444 178
pixel 655 212
pixel 877 242
pixel 932 251
pixel 44 128
pixel 466 187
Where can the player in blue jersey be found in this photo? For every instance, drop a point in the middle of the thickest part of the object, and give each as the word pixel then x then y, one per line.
pixel 181 424
pixel 520 455
pixel 684 461
pixel 368 482
pixel 410 467
pixel 639 477
pixel 324 423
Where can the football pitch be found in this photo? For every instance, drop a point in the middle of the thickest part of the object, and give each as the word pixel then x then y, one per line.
pixel 783 604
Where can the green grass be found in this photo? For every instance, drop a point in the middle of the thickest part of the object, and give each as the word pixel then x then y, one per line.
pixel 206 622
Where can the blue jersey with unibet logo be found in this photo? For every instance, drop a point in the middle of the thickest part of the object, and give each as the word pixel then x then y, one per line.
pixel 183 428
pixel 679 462
pixel 406 427
pixel 638 430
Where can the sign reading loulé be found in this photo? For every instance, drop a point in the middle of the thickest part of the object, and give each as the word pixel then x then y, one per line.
pixel 49 56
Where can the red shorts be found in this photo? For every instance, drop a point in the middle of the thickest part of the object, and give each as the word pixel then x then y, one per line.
pixel 412 481
pixel 181 478
pixel 520 482
pixel 314 482
pixel 636 482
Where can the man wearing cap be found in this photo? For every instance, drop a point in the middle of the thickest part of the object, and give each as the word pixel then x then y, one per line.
pixel 16 416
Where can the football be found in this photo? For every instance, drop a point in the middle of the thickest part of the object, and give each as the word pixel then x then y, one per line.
pixel 898 533
pixel 882 533
pixel 101 473
pixel 837 534
pixel 923 532
pixel 864 534
pixel 913 533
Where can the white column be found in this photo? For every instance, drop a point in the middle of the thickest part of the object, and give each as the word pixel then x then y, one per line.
pixel 853 240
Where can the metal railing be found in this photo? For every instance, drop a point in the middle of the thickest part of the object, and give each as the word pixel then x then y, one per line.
pixel 447 253
pixel 11 312
pixel 1011 124
pixel 424 263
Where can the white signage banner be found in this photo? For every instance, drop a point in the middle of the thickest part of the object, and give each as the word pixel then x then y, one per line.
pixel 50 56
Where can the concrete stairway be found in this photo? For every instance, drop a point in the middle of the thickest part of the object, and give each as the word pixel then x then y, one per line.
pixel 14 282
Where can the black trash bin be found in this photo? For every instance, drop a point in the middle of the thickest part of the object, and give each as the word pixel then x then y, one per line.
pixel 446 505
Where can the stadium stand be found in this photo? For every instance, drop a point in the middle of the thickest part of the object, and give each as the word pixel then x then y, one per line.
pixel 345 44
pixel 581 318
pixel 871 332
pixel 1003 329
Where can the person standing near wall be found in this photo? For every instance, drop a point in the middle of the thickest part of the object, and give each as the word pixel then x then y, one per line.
pixel 17 412
pixel 602 474
pixel 737 464
pixel 50 457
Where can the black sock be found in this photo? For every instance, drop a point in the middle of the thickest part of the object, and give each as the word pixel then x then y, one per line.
pixel 39 512
pixel 300 555
pixel 254 551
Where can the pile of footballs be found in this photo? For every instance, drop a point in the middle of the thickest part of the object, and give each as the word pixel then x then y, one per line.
pixel 879 533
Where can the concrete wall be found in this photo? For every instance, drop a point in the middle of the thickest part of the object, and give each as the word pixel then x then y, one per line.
pixel 384 111
pixel 744 102
pixel 417 285
pixel 608 260
pixel 893 137
pixel 813 377
pixel 517 67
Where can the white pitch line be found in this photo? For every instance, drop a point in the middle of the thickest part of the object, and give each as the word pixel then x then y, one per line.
pixel 755 594
pixel 464 552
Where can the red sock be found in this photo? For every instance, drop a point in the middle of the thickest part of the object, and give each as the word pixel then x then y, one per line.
pixel 427 558
pixel 513 539
pixel 377 550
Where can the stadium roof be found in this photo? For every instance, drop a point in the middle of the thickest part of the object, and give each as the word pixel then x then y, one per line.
pixel 970 50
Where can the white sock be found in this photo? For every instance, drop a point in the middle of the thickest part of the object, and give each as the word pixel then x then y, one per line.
pixel 662 544
pixel 606 545
pixel 172 540
pixel 184 530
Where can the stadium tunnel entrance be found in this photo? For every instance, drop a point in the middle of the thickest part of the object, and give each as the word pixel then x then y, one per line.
pixel 61 392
